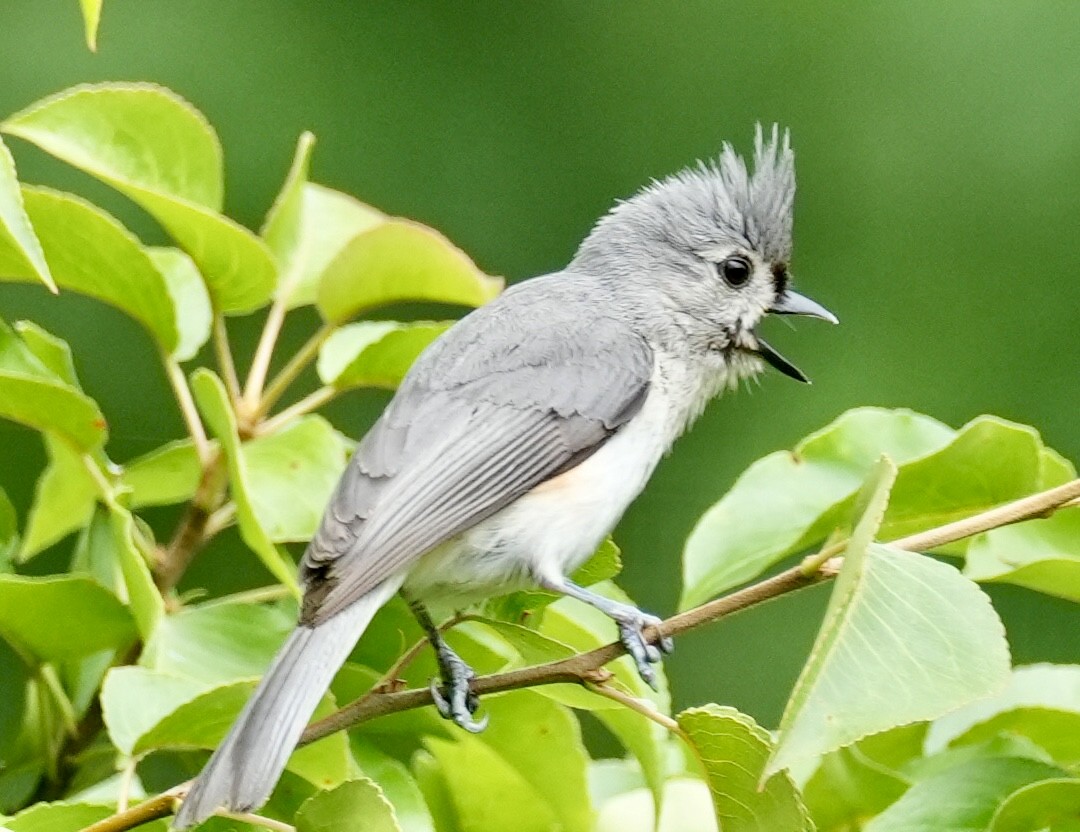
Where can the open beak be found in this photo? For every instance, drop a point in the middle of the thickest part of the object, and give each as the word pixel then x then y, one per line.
pixel 792 303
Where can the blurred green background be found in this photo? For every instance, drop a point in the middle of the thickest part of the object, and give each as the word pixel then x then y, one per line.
pixel 938 149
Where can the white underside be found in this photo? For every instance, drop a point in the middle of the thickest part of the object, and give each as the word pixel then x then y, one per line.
pixel 554 528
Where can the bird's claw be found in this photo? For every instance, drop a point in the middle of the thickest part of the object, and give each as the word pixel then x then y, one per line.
pixel 644 653
pixel 455 700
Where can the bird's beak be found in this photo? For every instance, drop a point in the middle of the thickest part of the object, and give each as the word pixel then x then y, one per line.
pixel 792 303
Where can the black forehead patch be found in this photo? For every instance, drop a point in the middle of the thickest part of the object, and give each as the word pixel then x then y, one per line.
pixel 780 277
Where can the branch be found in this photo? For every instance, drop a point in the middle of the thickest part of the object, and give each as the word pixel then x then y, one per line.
pixel 191 533
pixel 583 667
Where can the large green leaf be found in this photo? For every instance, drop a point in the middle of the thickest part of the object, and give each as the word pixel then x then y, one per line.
pixel 90 252
pixel 57 817
pixel 135 699
pixel 20 250
pixel 169 474
pixel 191 303
pixel 64 499
pixel 777 506
pixel 687 807
pixel 292 474
pixel 1049 804
pixel 905 638
pixel 61 617
pixel 213 401
pixel 374 353
pixel 962 798
pixel 733 750
pixel 399 261
pixel 1043 555
pixel 157 149
pixel 355 806
pixel 397 784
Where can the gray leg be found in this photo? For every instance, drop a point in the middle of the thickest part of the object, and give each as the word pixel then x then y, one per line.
pixel 455 701
pixel 632 623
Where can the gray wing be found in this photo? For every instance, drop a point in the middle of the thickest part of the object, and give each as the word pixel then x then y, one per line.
pixel 514 394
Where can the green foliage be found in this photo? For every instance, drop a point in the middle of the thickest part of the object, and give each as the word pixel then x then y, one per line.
pixel 906 715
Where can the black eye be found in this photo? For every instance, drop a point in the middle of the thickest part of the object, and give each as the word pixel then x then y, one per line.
pixel 735 271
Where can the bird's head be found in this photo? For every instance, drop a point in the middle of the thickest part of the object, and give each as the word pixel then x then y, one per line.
pixel 706 252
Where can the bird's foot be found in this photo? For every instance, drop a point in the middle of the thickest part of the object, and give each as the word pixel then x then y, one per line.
pixel 455 700
pixel 632 625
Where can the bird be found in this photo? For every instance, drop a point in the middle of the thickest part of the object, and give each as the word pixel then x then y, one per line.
pixel 519 437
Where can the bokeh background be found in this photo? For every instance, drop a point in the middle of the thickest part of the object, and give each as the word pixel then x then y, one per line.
pixel 938 215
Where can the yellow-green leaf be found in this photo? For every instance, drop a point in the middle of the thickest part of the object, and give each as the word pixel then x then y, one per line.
pixel 91 12
pixel 20 250
pixel 374 353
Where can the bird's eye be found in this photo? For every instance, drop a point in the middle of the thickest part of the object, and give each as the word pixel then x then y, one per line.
pixel 735 271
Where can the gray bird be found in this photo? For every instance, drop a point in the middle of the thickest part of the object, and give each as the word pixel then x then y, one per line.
pixel 520 436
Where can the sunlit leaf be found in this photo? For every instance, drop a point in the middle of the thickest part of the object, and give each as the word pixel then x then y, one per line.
pixel 1043 555
pixel 292 473
pixel 733 750
pixel 356 806
pixel 51 351
pixel 61 617
pixel 169 474
pixel 374 353
pixel 64 499
pixel 135 699
pixel 283 229
pixel 57 817
pixel 20 250
pixel 397 784
pixel 400 261
pixel 157 149
pixel 1048 804
pixel 213 401
pixel 91 12
pixel 905 638
pixel 191 303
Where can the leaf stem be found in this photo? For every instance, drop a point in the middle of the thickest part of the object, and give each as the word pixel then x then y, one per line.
pixel 179 384
pixel 304 356
pixel 642 706
pixel 260 364
pixel 47 674
pixel 312 401
pixel 224 355
pixel 257 820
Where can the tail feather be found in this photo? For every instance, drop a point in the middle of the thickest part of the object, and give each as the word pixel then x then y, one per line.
pixel 244 769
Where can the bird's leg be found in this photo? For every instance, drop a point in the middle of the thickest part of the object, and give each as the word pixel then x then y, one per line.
pixel 454 701
pixel 632 623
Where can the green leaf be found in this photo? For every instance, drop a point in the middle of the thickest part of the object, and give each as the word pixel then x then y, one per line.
pixel 64 499
pixel 218 643
pixel 356 806
pixel 397 784
pixel 905 638
pixel 374 353
pixel 57 817
pixel 20 250
pixel 526 773
pixel 328 220
pixel 687 807
pixel 9 531
pixel 147 605
pixel 91 12
pixel 292 474
pixel 47 405
pixel 1043 555
pixel 90 252
pixel 167 475
pixel 213 401
pixel 135 699
pixel 733 750
pixel 789 500
pixel 201 721
pixel 1048 804
pixel 56 618
pixel 54 353
pixel 399 261
pixel 961 798
pixel 153 146
pixel 436 791
pixel 282 229
pixel 191 303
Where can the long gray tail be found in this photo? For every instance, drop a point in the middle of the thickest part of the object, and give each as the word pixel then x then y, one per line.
pixel 244 769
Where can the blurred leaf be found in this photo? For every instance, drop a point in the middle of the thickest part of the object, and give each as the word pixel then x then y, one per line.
pixel 776 507
pixel 1043 555
pixel 733 750
pixel 169 474
pixel 397 784
pixel 213 401
pixel 90 252
pixel 218 643
pixel 1056 731
pixel 20 250
pixel 57 817
pixel 528 771
pixel 687 808
pixel 328 220
pixel 400 261
pixel 328 762
pixel 191 303
pixel 64 499
pixel 374 353
pixel 9 531
pixel 1048 804
pixel 905 638
pixel 91 12
pixel 282 229
pixel 533 647
pixel 201 721
pixel 153 146
pixel 14 676
pixel 356 806
pixel 436 792
pixel 135 699
pixel 147 605
pixel 51 351
pixel 857 782
pixel 61 617
pixel 292 474
pixel 961 798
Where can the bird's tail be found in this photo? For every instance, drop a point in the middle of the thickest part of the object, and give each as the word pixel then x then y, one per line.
pixel 244 769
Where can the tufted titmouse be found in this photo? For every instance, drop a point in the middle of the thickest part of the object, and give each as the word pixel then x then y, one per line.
pixel 520 436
